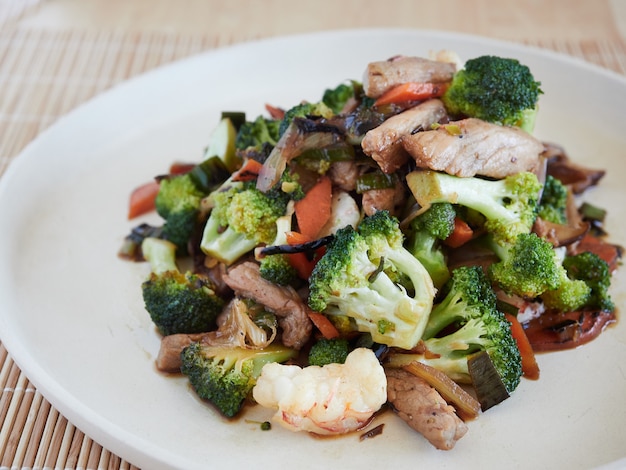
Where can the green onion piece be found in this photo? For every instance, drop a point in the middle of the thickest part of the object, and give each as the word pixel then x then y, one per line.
pixel 592 213
pixel 490 389
pixel 209 174
pixel 375 180
pixel 320 159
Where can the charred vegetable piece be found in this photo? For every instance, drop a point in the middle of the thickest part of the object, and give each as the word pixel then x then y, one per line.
pixel 375 180
pixel 131 247
pixel 209 174
pixel 490 389
pixel 307 247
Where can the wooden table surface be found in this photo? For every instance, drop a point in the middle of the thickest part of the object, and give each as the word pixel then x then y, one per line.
pixel 57 54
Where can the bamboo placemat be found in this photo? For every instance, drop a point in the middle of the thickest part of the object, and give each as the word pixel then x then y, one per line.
pixel 44 75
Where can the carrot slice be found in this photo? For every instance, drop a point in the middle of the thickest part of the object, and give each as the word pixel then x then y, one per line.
pixel 461 234
pixel 248 171
pixel 313 211
pixel 179 168
pixel 303 263
pixel 530 368
pixel 411 91
pixel 296 238
pixel 324 325
pixel 275 112
pixel 142 199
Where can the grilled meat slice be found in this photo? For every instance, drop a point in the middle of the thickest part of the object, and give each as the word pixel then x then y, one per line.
pixel 383 143
pixel 421 406
pixel 471 147
pixel 381 76
pixel 246 281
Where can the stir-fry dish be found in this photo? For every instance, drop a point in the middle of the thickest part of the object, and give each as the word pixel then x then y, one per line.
pixel 404 244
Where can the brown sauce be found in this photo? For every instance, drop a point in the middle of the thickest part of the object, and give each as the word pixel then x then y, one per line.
pixel 568 330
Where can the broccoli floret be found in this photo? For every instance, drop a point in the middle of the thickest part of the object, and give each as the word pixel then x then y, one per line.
pixel 336 98
pixel 277 267
pixel 242 217
pixel 257 133
pixel 355 276
pixel 509 204
pixel 495 89
pixel 594 271
pixel 386 241
pixel 570 295
pixel 179 200
pixel 527 267
pixel 254 213
pixel 467 321
pixel 530 267
pixel 178 203
pixel 553 202
pixel 329 351
pixel 224 375
pixel 177 302
pixel 302 110
pixel 219 239
pixel 424 239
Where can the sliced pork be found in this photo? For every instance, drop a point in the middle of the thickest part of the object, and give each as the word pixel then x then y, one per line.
pixel 471 147
pixel 344 174
pixel 292 312
pixel 383 143
pixel 383 199
pixel 421 406
pixel 381 76
pixel 168 359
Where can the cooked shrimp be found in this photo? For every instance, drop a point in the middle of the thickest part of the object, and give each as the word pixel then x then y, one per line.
pixel 334 399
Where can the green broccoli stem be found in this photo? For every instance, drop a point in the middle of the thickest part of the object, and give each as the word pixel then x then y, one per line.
pixel 450 309
pixel 222 144
pixel 466 338
pixel 508 204
pixel 408 264
pixel 160 254
pixel 424 247
pixel 481 195
pixel 528 119
pixel 224 244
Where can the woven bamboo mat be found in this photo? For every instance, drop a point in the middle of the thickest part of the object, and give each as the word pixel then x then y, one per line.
pixel 44 75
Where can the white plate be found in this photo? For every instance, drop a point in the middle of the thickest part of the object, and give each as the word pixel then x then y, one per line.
pixel 72 315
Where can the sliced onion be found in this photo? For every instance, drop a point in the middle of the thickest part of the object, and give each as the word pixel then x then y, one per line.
pixel 238 329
